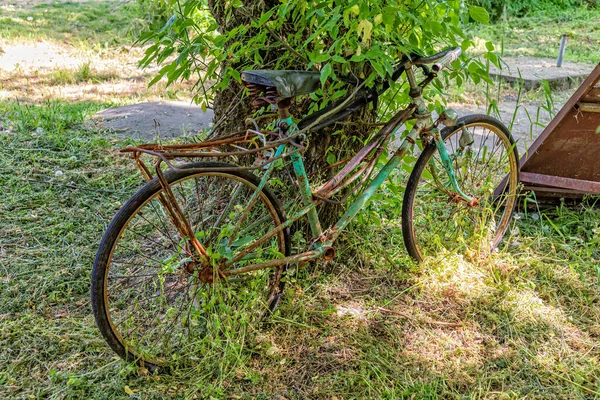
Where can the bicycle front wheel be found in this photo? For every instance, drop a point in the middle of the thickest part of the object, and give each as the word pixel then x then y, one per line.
pixel 434 217
pixel 153 300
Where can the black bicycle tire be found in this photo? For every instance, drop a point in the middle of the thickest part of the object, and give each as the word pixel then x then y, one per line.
pixel 413 181
pixel 122 217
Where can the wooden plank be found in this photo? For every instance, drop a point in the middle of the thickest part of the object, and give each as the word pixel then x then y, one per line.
pixel 593 96
pixel 589 107
pixel 582 186
pixel 583 90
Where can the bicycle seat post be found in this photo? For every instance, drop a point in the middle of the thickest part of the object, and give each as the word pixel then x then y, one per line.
pixel 284 112
pixel 415 92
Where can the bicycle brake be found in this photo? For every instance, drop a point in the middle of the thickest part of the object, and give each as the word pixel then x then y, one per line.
pixel 466 138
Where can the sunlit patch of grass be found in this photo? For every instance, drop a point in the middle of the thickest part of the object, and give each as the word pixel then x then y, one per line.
pixel 109 76
pixel 94 61
pixel 455 277
pixel 496 327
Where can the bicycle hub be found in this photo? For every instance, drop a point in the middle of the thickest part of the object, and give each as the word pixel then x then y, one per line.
pixel 329 253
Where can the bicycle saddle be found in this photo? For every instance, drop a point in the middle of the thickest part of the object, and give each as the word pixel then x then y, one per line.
pixel 278 85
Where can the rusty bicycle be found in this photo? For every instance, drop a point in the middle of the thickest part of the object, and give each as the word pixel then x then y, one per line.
pixel 208 238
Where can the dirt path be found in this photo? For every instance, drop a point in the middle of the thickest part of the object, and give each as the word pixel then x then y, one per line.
pixel 153 120
pixel 527 125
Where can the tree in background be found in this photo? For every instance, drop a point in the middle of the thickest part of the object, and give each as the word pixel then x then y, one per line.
pixel 214 39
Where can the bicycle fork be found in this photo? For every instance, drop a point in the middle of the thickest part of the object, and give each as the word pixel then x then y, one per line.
pixel 447 163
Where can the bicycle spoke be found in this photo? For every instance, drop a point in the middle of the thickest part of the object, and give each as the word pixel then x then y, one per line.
pixel 155 294
pixel 479 170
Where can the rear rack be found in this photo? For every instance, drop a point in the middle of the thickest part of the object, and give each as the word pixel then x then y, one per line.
pixel 237 147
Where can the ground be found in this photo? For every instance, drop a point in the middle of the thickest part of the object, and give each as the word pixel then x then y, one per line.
pixel 151 120
pixel 531 71
pixel 522 323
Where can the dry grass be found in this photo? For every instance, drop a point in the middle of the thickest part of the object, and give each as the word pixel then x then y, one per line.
pixel 43 71
pixel 91 60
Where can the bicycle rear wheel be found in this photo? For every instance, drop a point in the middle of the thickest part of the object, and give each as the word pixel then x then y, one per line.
pixel 148 298
pixel 434 219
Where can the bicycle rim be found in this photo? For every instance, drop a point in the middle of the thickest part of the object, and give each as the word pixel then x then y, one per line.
pixel 153 308
pixel 435 219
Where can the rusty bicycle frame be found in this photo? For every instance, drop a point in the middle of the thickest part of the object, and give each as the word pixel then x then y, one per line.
pixel 287 143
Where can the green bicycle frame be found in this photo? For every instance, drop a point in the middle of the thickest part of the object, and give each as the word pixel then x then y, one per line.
pixel 329 236
pixel 323 240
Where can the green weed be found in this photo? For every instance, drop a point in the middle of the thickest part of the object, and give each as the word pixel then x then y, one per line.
pixel 84 73
pixel 62 76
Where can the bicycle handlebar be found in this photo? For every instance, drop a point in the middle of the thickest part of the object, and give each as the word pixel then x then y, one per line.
pixel 451 56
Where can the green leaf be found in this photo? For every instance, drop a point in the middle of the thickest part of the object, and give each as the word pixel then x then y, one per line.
pixel 473 67
pixel 378 68
pixel 325 73
pixel 235 74
pixel 265 17
pixel 375 52
pixel 321 58
pixel 389 18
pixel 435 27
pixel 465 44
pixel 493 59
pixel 479 14
pixel 161 73
pixel 354 10
pixel 331 158
pixel 357 57
pixel 242 241
pixel 338 94
pixel 489 46
pixel 365 10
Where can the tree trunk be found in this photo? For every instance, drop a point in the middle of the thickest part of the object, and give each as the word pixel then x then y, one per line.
pixel 231 110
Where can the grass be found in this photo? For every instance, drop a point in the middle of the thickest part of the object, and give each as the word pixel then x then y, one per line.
pixel 97 24
pixel 78 51
pixel 523 323
pixel 538 34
